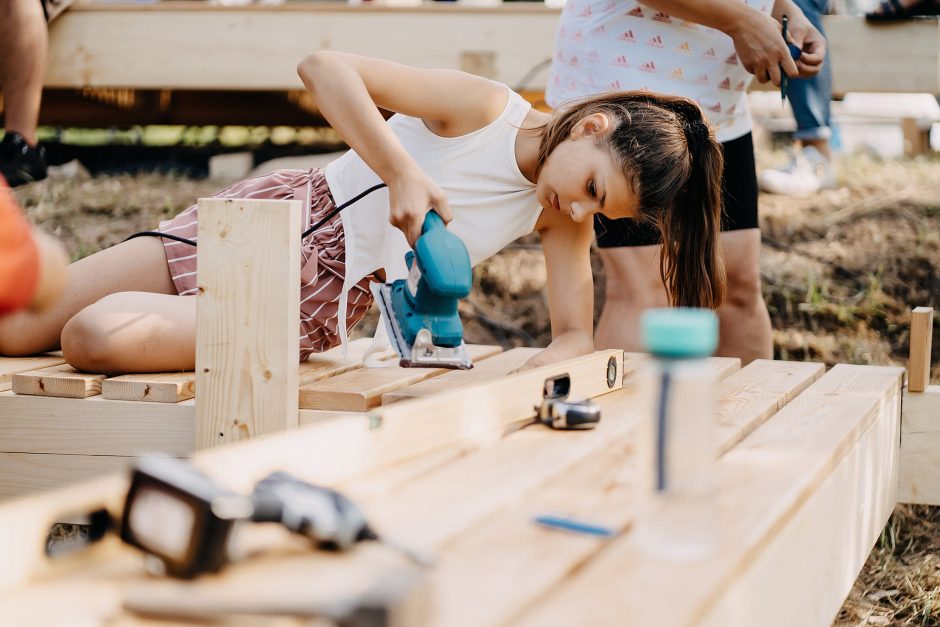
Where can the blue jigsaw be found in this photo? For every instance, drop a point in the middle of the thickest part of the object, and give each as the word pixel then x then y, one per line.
pixel 420 312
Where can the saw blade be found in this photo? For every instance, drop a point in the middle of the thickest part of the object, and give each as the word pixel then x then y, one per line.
pixel 429 355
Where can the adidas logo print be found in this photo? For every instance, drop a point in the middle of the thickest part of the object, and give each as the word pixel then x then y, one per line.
pixel 615 85
pixel 655 42
pixel 600 30
pixel 710 54
pixel 587 11
pixel 662 17
pixel 678 74
pixel 627 36
pixel 732 60
pixel 716 108
pixel 725 84
pixel 621 61
pixel 740 86
pixel 649 66
pixel 702 80
pixel 684 48
pixel 636 12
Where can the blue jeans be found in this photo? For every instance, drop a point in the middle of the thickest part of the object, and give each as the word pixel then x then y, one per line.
pixel 810 97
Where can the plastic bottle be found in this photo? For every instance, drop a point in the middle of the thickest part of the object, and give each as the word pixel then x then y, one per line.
pixel 677 517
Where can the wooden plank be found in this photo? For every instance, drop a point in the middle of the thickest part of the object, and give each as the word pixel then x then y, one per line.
pixel 362 389
pixel 492 367
pixel 759 386
pixel 774 486
pixel 29 473
pixel 918 369
pixel 13 365
pixel 258 47
pixel 247 48
pixel 919 473
pixel 470 416
pixel 248 318
pixel 93 426
pixel 164 387
pixel 62 381
pixel 523 560
pixel 179 386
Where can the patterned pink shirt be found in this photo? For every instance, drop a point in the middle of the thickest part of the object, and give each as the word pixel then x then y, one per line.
pixel 605 45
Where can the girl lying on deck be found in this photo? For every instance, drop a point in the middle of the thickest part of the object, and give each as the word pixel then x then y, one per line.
pixel 493 167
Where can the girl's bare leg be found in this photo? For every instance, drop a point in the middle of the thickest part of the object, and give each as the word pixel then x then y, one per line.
pixel 138 265
pixel 133 332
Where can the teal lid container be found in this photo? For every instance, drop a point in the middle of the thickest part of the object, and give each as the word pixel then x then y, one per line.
pixel 679 332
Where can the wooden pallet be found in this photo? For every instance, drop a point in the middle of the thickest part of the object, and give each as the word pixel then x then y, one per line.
pixel 808 475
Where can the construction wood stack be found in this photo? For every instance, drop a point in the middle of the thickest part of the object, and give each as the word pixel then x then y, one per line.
pixel 808 475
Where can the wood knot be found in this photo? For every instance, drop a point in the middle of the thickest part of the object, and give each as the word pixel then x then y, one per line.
pixel 267 375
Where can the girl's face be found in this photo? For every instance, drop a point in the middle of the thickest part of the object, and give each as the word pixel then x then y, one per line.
pixel 580 177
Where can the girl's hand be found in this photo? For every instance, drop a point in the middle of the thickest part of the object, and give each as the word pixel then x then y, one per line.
pixel 411 196
pixel 760 46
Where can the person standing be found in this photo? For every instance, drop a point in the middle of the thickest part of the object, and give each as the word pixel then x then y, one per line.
pixel 811 167
pixel 707 50
pixel 23 48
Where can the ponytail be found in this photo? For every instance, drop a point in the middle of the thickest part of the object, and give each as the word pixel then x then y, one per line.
pixel 691 264
pixel 670 156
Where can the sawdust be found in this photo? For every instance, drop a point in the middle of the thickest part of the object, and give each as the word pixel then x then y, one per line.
pixel 841 271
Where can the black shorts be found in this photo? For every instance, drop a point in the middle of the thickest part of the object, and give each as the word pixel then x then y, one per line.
pixel 738 194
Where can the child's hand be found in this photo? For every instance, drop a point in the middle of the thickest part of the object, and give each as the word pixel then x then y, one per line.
pixel 410 197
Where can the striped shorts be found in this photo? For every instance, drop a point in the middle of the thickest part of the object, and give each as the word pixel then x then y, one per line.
pixel 323 254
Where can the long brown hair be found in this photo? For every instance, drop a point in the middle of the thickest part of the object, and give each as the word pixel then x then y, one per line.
pixel 669 152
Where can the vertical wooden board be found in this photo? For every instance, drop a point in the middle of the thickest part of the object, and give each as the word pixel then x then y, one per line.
pixel 63 381
pixel 918 377
pixel 29 473
pixel 362 389
pixel 919 473
pixel 164 387
pixel 490 368
pixel 765 483
pixel 13 365
pixel 523 560
pixel 248 312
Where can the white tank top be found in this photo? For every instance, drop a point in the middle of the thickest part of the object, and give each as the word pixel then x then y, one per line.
pixel 492 202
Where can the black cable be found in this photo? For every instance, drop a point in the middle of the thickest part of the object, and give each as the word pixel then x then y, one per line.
pixel 329 216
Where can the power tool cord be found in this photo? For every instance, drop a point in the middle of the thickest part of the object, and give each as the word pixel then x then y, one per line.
pixel 315 227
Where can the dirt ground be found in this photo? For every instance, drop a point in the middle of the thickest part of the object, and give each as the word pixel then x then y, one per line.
pixel 841 269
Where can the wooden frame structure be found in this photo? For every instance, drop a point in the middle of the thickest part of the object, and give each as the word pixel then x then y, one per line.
pixel 808 467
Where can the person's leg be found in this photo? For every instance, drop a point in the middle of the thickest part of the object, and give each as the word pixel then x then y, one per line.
pixel 133 332
pixel 633 286
pixel 137 265
pixel 23 47
pixel 744 324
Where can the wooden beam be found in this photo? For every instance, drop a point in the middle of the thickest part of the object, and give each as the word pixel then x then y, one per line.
pixel 63 381
pixel 10 366
pixel 918 369
pixel 248 319
pixel 362 389
pixel 258 47
pixel 93 426
pixel 798 521
pixel 919 474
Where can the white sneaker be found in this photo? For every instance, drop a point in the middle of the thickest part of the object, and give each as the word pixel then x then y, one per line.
pixel 807 173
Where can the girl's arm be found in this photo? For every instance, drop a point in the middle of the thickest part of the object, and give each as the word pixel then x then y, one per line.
pixel 348 89
pixel 567 248
pixel 757 36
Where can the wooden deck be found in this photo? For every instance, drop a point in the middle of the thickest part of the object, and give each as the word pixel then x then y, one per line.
pixel 808 474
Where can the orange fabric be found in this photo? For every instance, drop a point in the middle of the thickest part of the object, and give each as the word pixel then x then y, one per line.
pixel 19 258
